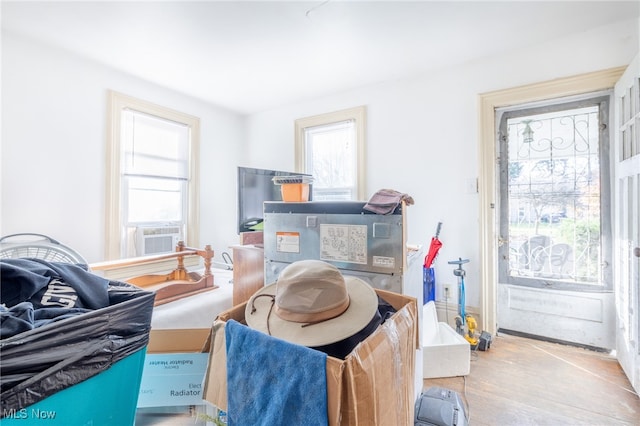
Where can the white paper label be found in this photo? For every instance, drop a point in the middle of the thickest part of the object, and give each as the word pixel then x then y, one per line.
pixel 344 243
pixel 288 242
pixel 384 262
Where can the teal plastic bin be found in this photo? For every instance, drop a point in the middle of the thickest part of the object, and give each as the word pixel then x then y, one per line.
pixel 85 366
pixel 108 399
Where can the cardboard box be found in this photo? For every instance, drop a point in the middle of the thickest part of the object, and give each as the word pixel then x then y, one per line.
pixel 374 385
pixel 445 353
pixel 174 368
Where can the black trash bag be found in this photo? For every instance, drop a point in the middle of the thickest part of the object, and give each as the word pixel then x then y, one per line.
pixel 64 345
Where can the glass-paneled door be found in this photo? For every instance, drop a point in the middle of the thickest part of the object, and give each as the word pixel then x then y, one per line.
pixel 555 228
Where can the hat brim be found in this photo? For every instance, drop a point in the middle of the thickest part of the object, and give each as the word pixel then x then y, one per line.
pixel 363 304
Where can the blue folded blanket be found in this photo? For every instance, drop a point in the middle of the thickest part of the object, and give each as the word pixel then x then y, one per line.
pixel 273 382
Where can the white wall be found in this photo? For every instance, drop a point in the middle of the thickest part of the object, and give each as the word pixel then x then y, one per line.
pixel 422 140
pixel 423 133
pixel 54 110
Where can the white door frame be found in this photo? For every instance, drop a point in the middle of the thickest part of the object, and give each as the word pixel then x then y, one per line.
pixel 626 227
pixel 488 183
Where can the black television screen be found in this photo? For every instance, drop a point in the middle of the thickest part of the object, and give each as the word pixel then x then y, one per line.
pixel 255 186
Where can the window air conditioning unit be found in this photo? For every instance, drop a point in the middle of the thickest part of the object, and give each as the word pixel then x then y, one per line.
pixel 156 239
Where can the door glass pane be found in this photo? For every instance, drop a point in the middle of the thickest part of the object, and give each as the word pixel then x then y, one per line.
pixel 554 196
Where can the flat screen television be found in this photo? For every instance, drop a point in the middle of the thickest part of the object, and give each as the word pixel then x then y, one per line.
pixel 255 186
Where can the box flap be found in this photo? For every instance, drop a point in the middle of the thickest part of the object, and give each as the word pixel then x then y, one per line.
pixel 398 301
pixel 235 313
pixel 382 368
pixel 215 383
pixel 177 340
pixel 335 371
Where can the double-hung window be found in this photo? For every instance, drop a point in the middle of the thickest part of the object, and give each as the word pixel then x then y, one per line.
pixel 152 200
pixel 331 148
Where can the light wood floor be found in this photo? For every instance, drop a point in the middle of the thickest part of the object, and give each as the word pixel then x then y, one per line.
pixel 521 381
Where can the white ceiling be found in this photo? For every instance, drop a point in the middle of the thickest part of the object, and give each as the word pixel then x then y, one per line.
pixel 251 56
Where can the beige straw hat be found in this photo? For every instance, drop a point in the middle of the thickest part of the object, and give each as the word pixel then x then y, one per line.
pixel 312 304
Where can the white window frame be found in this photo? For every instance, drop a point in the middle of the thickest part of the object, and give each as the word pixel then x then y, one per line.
pixel 358 114
pixel 114 225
